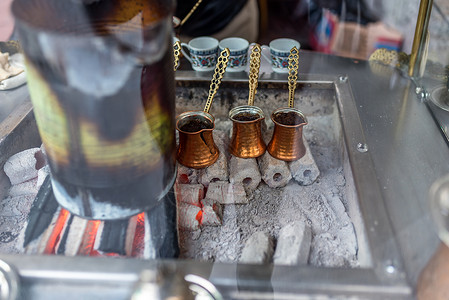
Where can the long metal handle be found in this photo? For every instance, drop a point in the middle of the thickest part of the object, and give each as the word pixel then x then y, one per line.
pixel 177 53
pixel 220 68
pixel 254 67
pixel 419 41
pixel 293 64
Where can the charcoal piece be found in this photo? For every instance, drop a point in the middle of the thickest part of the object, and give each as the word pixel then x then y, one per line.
pixel 75 230
pixel 258 249
pixel 189 193
pixel 24 165
pixel 63 241
pixel 189 216
pixel 275 172
pixel 113 237
pixel 41 213
pixel 218 170
pixel 305 170
pixel 244 171
pixel 227 193
pixel 7 237
pixel 293 244
pixel 163 239
pixel 186 175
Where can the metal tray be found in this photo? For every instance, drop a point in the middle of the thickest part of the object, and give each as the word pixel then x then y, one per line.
pixel 382 276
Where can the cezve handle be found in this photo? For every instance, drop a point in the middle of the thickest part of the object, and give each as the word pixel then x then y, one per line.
pixel 220 68
pixel 293 65
pixel 254 68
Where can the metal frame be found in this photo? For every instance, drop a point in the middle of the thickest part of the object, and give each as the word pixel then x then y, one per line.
pixel 45 277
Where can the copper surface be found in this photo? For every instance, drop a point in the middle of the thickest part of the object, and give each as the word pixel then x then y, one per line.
pixel 246 138
pixel 196 150
pixel 246 141
pixel 287 143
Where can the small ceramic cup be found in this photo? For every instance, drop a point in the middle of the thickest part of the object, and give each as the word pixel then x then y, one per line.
pixel 203 53
pixel 238 48
pixel 279 51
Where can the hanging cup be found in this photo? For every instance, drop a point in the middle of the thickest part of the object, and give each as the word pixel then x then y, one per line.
pixel 287 143
pixel 196 143
pixel 246 138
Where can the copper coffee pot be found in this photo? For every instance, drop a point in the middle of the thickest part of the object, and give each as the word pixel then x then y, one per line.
pixel 287 143
pixel 246 138
pixel 197 148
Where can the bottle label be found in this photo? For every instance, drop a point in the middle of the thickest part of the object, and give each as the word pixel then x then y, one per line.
pixel 70 139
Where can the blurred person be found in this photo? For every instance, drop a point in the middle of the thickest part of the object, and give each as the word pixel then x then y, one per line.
pixel 6 20
pixel 218 18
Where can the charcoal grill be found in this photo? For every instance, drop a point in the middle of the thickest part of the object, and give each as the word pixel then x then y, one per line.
pixel 380 156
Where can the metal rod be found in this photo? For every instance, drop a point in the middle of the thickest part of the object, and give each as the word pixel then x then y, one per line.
pixel 419 40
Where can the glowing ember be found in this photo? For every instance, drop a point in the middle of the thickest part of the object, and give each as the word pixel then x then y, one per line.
pixel 89 238
pixel 56 234
pixel 199 217
pixel 139 237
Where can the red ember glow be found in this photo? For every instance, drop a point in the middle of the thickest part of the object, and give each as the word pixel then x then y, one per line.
pixel 89 237
pixel 199 217
pixel 56 233
pixel 183 179
pixel 139 237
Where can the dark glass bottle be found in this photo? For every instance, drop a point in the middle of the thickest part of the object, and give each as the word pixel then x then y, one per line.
pixel 100 75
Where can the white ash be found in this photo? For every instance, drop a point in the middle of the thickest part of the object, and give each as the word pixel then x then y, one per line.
pixel 333 243
pixel 244 171
pixel 219 170
pixel 321 205
pixel 23 170
pixel 186 175
pixel 25 188
pixel 223 125
pixel 227 193
pixel 293 245
pixel 212 212
pixel 24 165
pixel 188 216
pixel 189 193
pixel 258 249
pixel 41 175
pixel 274 172
pixel 304 170
pixel 13 215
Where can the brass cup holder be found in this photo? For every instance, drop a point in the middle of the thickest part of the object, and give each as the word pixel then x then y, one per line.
pixel 287 143
pixel 196 146
pixel 247 138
